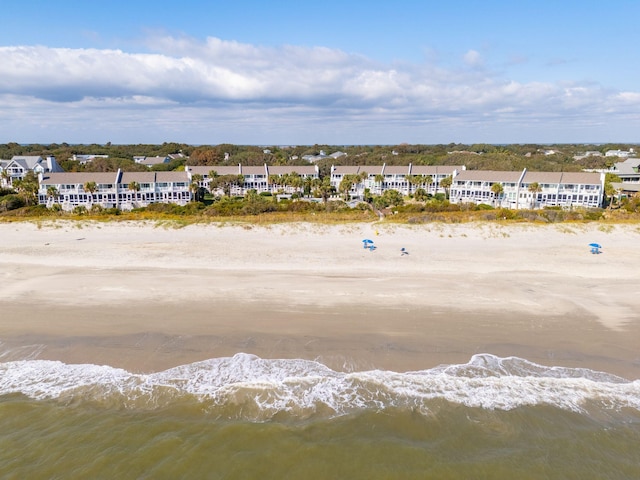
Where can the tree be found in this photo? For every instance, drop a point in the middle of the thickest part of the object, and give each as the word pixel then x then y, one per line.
pixel 6 177
pixel 379 179
pixel 90 187
pixel 609 190
pixel 52 193
pixel 446 184
pixel 134 186
pixel 421 195
pixel 324 189
pixel 296 182
pixel 411 181
pixel 535 189
pixel 28 187
pixel 345 185
pixel 225 182
pixel 426 180
pixel 497 190
pixel 194 187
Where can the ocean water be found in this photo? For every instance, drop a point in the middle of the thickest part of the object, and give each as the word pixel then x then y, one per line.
pixel 244 417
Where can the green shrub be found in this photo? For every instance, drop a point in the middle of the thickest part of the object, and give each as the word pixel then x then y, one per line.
pixel 484 206
pixel 11 202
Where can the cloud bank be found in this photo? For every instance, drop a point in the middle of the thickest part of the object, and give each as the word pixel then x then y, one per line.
pixel 216 91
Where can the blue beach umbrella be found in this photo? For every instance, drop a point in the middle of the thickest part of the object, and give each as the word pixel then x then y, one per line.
pixel 367 241
pixel 595 245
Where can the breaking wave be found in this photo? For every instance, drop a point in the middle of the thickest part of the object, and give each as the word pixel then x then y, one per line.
pixel 248 387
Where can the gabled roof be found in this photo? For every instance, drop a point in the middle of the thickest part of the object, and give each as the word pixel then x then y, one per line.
pixel 370 170
pixel 288 169
pixel 172 177
pixel 27 161
pixel 628 167
pixel 396 170
pixel 254 170
pixel 626 187
pixel 488 176
pixel 79 178
pixel 435 169
pixel 347 170
pixel 138 177
pixel 219 169
pixel 582 178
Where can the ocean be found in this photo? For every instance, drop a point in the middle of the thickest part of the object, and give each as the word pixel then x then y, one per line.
pixel 244 417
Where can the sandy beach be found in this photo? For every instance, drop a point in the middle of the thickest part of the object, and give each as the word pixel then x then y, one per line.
pixel 145 297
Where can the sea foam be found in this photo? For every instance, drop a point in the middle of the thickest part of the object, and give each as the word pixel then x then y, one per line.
pixel 249 387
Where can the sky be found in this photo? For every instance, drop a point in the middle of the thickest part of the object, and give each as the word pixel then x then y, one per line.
pixel 320 72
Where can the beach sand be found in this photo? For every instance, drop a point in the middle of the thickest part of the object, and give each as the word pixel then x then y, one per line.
pixel 147 297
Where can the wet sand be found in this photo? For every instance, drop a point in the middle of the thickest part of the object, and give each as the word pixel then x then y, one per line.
pixel 147 298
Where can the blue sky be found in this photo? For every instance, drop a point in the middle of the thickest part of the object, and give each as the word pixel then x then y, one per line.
pixel 330 72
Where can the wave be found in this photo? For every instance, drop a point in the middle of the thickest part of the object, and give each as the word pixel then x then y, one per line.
pixel 248 387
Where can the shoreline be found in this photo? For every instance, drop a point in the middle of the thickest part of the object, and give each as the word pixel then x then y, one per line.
pixel 144 298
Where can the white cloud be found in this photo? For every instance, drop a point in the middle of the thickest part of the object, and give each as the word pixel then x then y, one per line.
pixel 473 59
pixel 193 86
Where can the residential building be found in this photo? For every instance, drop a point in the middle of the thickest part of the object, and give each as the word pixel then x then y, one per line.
pixel 151 161
pixel 83 159
pixel 620 153
pixel 555 189
pixel 124 190
pixel 406 179
pixel 18 167
pixel 627 170
pixel 260 178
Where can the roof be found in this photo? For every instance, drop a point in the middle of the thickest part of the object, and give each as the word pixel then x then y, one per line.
pixel 488 176
pixel 583 178
pixel 626 187
pixel 348 169
pixel 435 169
pixel 172 177
pixel 628 167
pixel 396 170
pixel 27 161
pixel 79 178
pixel 204 170
pixel 139 177
pixel 254 170
pixel 300 169
pixel 154 160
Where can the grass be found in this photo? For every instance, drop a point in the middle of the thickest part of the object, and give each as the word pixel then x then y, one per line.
pixel 164 219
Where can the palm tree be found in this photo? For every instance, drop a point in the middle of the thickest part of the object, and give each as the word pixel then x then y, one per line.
pixel 240 182
pixel 535 189
pixel 426 180
pixel 6 177
pixel 497 190
pixel 446 184
pixel 324 189
pixel 274 180
pixel 28 187
pixel 135 188
pixel 296 182
pixel 195 186
pixel 90 187
pixel 410 181
pixel 52 193
pixel 379 178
